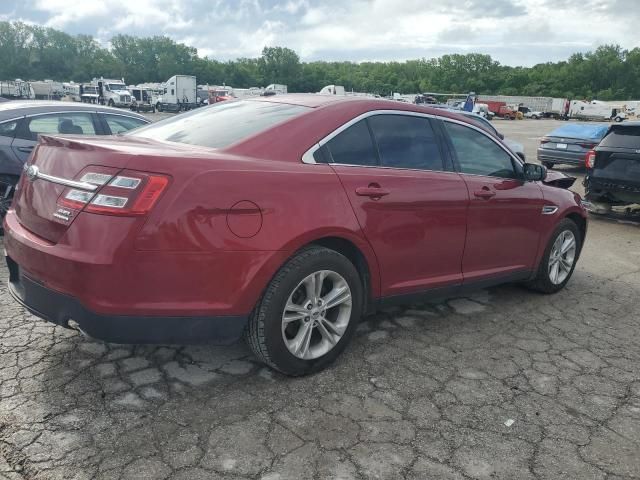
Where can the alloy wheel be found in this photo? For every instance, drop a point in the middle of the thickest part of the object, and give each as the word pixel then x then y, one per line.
pixel 562 257
pixel 316 315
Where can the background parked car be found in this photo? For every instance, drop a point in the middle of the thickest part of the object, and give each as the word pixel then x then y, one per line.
pixel 570 143
pixel 22 121
pixel 613 168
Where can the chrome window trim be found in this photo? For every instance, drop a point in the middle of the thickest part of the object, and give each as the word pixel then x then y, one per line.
pixel 63 112
pixel 307 157
pixel 118 114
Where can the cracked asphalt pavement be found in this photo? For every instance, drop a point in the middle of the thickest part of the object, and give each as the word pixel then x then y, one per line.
pixel 501 384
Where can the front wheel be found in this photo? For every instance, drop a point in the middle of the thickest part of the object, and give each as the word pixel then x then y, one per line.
pixel 559 259
pixel 308 313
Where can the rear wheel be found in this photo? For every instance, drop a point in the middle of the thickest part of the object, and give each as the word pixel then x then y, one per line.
pixel 559 259
pixel 308 313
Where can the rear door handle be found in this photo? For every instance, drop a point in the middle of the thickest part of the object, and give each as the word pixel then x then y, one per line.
pixel 484 193
pixel 25 149
pixel 372 192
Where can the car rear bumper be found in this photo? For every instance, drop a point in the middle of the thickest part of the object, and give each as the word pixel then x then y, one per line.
pixel 59 308
pixel 548 155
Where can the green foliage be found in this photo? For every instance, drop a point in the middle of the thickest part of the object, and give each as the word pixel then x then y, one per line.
pixel 33 52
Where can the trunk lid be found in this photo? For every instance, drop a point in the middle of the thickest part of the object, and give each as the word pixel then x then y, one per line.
pixel 61 163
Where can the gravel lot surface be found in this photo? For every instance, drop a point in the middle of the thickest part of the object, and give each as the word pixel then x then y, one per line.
pixel 502 384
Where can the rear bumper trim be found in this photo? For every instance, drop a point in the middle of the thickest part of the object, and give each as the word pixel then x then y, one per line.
pixel 58 308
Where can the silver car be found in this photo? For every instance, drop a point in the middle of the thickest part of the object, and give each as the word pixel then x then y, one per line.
pixel 22 121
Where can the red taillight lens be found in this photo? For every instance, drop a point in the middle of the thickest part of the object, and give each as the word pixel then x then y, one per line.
pixel 150 194
pixel 590 159
pixel 588 145
pixel 544 140
pixel 129 193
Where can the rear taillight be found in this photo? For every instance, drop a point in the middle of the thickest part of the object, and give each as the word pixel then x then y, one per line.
pixel 590 159
pixel 544 140
pixel 130 193
pixel 588 145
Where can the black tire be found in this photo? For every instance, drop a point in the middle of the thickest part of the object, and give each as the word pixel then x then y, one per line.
pixel 549 165
pixel 111 103
pixel 264 330
pixel 542 282
pixel 7 189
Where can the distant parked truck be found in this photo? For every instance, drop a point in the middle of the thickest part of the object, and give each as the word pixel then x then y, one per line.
pixel 549 106
pixel 277 88
pixel 47 90
pixel 16 89
pixel 142 100
pixel 499 109
pixel 179 94
pixel 113 93
pixel 596 110
pixel 89 93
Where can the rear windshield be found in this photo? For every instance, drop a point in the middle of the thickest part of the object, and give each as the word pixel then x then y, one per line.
pixel 222 124
pixel 623 137
pixel 580 131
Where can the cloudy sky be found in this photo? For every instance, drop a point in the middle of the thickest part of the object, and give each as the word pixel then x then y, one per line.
pixel 515 32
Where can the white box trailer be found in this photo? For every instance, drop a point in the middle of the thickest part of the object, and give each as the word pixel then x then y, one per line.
pixel 596 110
pixel 179 94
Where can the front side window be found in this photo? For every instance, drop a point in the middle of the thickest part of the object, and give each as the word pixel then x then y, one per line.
pixel 406 141
pixel 59 123
pixel 120 124
pixel 222 124
pixel 353 146
pixel 8 129
pixel 479 155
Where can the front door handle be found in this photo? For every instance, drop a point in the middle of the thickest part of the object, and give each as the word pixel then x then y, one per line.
pixel 25 149
pixel 372 191
pixel 484 193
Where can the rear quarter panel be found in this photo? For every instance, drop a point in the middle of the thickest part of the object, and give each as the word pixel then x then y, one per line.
pixel 250 205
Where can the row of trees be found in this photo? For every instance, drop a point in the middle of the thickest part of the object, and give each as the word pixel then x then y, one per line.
pixel 35 52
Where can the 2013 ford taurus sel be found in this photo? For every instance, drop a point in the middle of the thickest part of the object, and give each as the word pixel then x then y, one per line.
pixel 283 218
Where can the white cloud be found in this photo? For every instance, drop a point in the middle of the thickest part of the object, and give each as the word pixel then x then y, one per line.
pixel 516 32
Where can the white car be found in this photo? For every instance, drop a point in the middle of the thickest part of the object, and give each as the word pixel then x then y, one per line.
pixel 534 115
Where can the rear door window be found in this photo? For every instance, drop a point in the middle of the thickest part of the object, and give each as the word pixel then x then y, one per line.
pixel 623 137
pixel 406 141
pixel 120 123
pixel 353 146
pixel 58 123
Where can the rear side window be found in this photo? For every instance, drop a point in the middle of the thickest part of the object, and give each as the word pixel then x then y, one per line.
pixel 406 141
pixel 120 124
pixel 59 123
pixel 353 146
pixel 8 129
pixel 623 137
pixel 222 124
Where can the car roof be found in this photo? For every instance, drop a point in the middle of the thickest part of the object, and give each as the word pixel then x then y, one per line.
pixel 354 104
pixel 18 108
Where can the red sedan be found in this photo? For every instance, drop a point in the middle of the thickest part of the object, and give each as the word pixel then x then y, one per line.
pixel 282 218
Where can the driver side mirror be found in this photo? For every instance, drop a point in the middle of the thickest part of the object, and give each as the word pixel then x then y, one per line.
pixel 534 172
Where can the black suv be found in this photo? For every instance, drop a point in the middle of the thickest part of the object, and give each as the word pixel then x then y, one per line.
pixel 613 167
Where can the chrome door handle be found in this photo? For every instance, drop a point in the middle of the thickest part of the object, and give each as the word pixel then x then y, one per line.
pixel 486 194
pixel 372 192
